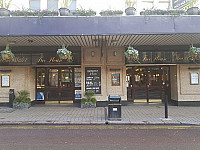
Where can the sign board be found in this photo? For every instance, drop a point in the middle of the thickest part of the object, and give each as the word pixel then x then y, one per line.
pixel 78 94
pixel 194 78
pixel 5 81
pixel 93 79
pixel 40 96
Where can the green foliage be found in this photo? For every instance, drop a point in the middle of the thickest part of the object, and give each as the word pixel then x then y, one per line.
pixel 83 100
pixel 193 50
pixel 64 53
pixel 130 3
pixel 29 12
pixel 7 54
pixel 111 12
pixel 173 12
pixel 5 3
pixel 93 100
pixel 89 97
pixel 83 12
pixel 65 3
pixel 132 55
pixel 22 97
pixel 190 4
pixel 193 55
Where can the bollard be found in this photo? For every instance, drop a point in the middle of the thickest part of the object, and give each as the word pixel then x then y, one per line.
pixel 11 97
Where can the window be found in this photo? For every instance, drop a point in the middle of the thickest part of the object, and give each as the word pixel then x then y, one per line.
pixel 52 4
pixel 34 4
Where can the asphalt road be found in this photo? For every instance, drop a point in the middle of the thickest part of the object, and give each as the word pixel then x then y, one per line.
pixel 99 137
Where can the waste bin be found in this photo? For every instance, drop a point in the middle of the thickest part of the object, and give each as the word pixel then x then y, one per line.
pixel 114 108
pixel 11 97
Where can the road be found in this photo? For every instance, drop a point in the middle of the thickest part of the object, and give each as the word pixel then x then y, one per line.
pixel 99 137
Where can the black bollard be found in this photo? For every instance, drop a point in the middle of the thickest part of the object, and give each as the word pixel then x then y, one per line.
pixel 166 105
pixel 11 97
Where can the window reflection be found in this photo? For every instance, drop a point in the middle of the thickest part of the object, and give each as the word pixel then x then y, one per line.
pixel 53 77
pixel 41 78
pixel 66 77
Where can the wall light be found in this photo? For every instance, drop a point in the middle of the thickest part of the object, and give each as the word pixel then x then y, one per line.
pixel 92 53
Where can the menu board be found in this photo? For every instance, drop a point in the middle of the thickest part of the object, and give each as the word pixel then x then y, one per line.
pixel 93 79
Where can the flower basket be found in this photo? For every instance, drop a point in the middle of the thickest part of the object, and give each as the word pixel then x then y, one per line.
pixel 64 54
pixel 7 55
pixel 193 55
pixel 132 55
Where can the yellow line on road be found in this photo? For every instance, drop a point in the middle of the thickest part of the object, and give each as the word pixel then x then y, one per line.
pixel 87 127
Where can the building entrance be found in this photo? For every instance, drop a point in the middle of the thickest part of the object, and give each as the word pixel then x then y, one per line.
pixel 57 84
pixel 146 84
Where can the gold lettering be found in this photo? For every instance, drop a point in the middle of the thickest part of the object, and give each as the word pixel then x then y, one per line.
pixel 158 58
pixel 54 60
pixel 145 59
pixel 41 60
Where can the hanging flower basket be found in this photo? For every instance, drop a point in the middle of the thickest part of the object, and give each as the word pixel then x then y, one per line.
pixel 193 55
pixel 132 55
pixel 7 55
pixel 64 54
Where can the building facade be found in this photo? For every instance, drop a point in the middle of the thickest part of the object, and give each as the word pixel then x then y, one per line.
pixel 99 64
pixel 98 61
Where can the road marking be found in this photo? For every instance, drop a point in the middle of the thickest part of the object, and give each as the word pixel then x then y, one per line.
pixel 87 127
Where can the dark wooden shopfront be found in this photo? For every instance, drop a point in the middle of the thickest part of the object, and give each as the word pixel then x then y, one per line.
pixel 146 83
pixel 57 83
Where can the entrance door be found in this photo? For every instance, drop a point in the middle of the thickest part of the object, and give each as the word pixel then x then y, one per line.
pixel 60 84
pixel 146 83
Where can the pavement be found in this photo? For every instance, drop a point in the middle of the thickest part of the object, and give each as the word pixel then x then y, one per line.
pixel 65 114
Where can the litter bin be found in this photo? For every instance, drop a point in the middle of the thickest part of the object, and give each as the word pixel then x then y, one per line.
pixel 114 108
pixel 11 97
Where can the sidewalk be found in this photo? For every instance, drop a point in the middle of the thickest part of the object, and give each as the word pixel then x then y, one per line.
pixel 64 114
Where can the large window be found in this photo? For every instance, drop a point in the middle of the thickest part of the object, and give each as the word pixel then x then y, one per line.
pixel 52 4
pixel 34 4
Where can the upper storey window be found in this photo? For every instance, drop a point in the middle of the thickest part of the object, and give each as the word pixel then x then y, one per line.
pixel 34 4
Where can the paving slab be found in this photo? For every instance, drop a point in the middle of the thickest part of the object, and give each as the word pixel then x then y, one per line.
pixel 65 114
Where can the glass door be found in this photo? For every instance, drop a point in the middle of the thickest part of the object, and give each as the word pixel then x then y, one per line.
pixel 55 84
pixel 52 90
pixel 146 83
pixel 66 87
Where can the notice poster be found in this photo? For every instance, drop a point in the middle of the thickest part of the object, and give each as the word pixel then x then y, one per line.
pixel 78 94
pixel 115 77
pixel 5 81
pixel 40 96
pixel 194 78
pixel 93 79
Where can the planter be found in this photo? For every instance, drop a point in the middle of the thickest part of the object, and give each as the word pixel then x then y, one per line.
pixel 4 12
pixel 83 12
pixel 192 11
pixel 88 105
pixel 130 11
pixel 111 13
pixel 21 105
pixel 193 58
pixel 6 57
pixel 64 12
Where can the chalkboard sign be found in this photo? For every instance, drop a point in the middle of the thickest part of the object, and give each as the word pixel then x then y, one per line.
pixel 93 79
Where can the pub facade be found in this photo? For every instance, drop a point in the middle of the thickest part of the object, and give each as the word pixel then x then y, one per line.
pixel 98 62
